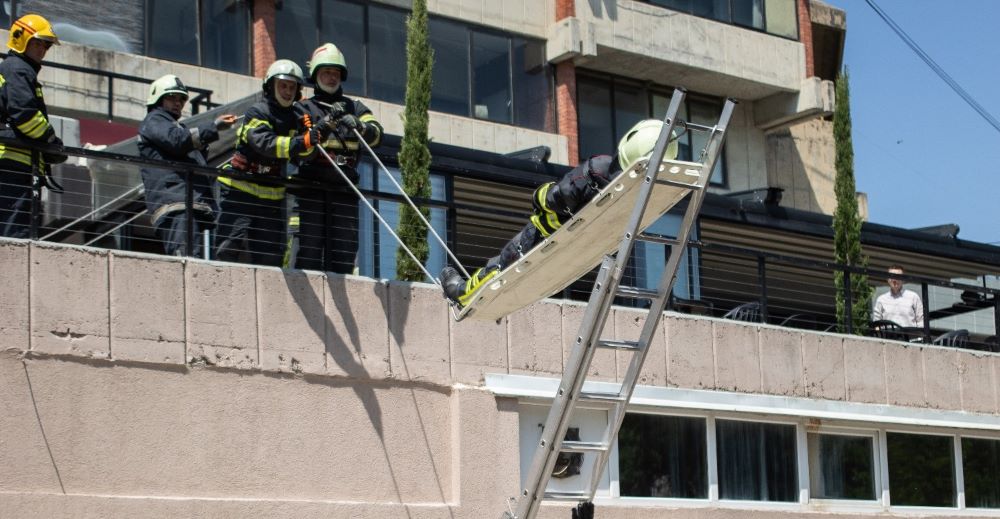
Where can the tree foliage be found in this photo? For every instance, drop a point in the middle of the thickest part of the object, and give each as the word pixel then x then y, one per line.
pixel 846 220
pixel 414 157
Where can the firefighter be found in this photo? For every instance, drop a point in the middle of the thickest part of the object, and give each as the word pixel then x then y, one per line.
pixel 328 220
pixel 163 137
pixel 26 118
pixel 252 214
pixel 554 203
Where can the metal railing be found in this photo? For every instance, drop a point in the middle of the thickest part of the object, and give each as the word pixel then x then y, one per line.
pixel 791 291
pixel 202 99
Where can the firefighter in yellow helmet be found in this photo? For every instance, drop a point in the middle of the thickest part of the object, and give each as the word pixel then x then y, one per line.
pixel 554 203
pixel 252 214
pixel 26 118
pixel 327 236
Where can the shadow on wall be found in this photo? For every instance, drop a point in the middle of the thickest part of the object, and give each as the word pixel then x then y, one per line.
pixel 346 352
pixel 800 181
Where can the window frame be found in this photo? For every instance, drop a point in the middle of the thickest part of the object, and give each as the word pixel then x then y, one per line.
pixel 877 467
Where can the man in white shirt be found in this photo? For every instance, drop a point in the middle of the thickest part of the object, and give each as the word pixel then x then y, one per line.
pixel 899 305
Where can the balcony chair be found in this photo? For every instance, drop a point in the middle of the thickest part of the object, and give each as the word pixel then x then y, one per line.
pixel 955 338
pixel 747 312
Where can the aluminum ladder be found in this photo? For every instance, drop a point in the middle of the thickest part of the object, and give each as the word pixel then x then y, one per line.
pixel 606 288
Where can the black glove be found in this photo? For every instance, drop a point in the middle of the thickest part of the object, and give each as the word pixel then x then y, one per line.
pixel 55 157
pixel 346 125
pixel 338 109
pixel 327 125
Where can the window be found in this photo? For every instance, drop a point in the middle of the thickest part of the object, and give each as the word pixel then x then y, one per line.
pixel 777 17
pixel 477 72
pixel 608 106
pixel 376 248
pixel 209 33
pixel 981 467
pixel 921 470
pixel 841 466
pixel 663 456
pixel 756 461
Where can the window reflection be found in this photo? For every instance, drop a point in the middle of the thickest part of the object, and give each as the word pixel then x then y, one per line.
pixel 663 456
pixel 841 466
pixel 387 40
pixel 225 46
pixel 981 467
pixel 756 461
pixel 450 90
pixel 171 30
pixel 921 470
pixel 491 77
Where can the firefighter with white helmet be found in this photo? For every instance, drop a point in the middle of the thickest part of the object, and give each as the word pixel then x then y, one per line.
pixel 163 137
pixel 328 220
pixel 25 117
pixel 252 213
pixel 554 203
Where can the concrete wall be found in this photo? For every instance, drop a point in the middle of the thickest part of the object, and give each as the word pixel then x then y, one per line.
pixel 645 41
pixel 145 386
pixel 800 160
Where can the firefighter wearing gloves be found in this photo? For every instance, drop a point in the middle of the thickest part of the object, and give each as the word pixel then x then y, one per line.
pixel 554 203
pixel 25 117
pixel 163 137
pixel 328 220
pixel 252 213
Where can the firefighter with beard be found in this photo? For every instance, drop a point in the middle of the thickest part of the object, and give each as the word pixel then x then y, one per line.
pixel 163 137
pixel 25 117
pixel 252 214
pixel 328 220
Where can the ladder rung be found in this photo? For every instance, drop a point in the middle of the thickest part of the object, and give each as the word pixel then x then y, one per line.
pixel 581 446
pixel 636 292
pixel 566 495
pixel 604 398
pixel 674 183
pixel 619 345
pixel 658 238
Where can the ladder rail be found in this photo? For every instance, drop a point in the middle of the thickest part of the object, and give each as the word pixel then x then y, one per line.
pixel 653 318
pixel 591 327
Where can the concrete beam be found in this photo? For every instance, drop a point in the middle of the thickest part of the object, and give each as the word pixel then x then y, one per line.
pixel 815 98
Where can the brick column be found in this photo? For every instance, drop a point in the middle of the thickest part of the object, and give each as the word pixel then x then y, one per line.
pixel 263 36
pixel 806 36
pixel 565 99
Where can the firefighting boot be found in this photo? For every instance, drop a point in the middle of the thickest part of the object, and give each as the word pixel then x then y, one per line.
pixel 452 283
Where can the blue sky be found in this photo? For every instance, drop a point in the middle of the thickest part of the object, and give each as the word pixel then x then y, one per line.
pixel 923 155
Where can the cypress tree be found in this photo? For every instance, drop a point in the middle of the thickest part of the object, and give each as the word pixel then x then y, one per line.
pixel 846 220
pixel 414 157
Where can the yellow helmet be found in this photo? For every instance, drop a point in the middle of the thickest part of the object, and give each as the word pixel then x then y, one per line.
pixel 27 27
pixel 639 141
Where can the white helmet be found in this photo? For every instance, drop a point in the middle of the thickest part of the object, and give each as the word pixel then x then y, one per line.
pixel 165 85
pixel 282 69
pixel 639 141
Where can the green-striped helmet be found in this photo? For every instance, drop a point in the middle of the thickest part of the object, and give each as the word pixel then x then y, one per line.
pixel 327 55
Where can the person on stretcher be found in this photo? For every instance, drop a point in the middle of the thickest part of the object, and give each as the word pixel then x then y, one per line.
pixel 554 203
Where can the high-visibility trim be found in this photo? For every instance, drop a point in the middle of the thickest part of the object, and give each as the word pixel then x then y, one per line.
pixel 477 280
pixel 294 221
pixel 3 80
pixel 27 28
pixel 366 118
pixel 250 125
pixel 16 154
pixel 257 190
pixel 34 127
pixel 335 144
pixel 282 144
pixel 547 222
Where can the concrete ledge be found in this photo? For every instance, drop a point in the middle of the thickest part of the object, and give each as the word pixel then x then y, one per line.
pixel 15 306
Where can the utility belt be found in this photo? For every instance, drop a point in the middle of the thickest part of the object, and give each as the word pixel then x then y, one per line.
pixel 242 163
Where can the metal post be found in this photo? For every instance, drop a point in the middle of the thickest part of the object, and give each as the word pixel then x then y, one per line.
pixel 188 215
pixel 848 303
pixel 111 98
pixel 924 300
pixel 996 315
pixel 762 280
pixel 36 194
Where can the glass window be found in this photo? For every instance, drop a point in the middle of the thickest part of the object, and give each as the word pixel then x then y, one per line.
pixel 756 461
pixel 631 106
pixel 594 117
pixel 343 23
pixel 225 39
pixel 491 97
pixel 450 90
pixel 677 5
pixel 387 46
pixel 663 456
pixel 172 30
pixel 781 18
pixel 532 86
pixel 749 13
pixel 921 470
pixel 295 26
pixel 377 248
pixel 714 9
pixel 841 466
pixel 707 115
pixel 981 467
